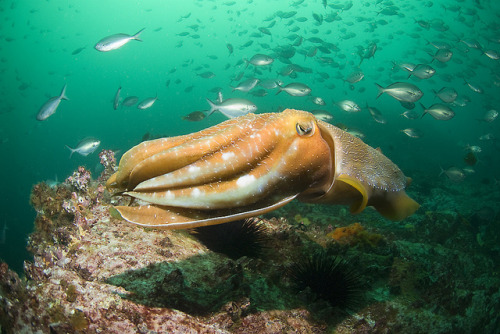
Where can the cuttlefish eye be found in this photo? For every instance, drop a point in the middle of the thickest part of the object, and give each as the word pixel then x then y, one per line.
pixel 305 129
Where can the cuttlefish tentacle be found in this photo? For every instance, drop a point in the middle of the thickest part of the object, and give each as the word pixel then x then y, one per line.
pixel 254 164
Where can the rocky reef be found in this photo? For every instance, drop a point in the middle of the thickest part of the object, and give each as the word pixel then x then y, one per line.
pixel 436 272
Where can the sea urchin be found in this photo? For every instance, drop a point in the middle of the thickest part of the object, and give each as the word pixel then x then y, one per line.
pixel 329 278
pixel 236 239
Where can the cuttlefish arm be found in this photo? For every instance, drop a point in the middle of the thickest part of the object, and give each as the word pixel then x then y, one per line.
pixel 251 165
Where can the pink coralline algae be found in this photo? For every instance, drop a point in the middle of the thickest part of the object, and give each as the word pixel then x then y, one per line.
pixel 108 161
pixel 80 179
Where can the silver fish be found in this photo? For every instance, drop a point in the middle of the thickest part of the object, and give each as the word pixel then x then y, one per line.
pixel 412 133
pixel 422 71
pixel 116 102
pixel 232 107
pixel 50 107
pixel 322 115
pixel 446 94
pixel 487 136
pixel 295 89
pixel 270 83
pixel 454 174
pixel 376 114
pixel 408 67
pixel 116 41
pixel 130 101
pixel 85 146
pixel 474 88
pixel 355 77
pixel 411 114
pixel 442 55
pixel 348 105
pixel 489 116
pixel 318 100
pixel 259 60
pixel 492 54
pixel 439 111
pixel 147 103
pixel 401 91
pixel 473 148
pixel 246 85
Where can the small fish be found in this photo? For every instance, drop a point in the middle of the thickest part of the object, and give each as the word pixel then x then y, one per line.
pixel 356 133
pixel 442 55
pixel 85 146
pixel 454 174
pixel 259 92
pixel 474 88
pixel 376 114
pixel 206 75
pixel 116 41
pixel 367 53
pixel 77 51
pixel 422 71
pixel 487 136
pixel 230 48
pixel 232 107
pixel 130 101
pixel 322 115
pixel 447 94
pixel 412 133
pixel 410 114
pixel 318 100
pixel 265 31
pixel 408 67
pixel 295 89
pixel 492 54
pixel 259 60
pixel 195 116
pixel 147 103
pixel 50 107
pixel 270 83
pixel 468 170
pixel 401 91
pixel 407 105
pixel 116 102
pixel 355 77
pixel 246 85
pixel 348 106
pixel 489 116
pixel 473 148
pixel 439 111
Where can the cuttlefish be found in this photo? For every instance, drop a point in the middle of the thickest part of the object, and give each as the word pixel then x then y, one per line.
pixel 253 164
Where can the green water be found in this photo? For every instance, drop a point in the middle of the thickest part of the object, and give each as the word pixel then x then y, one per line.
pixel 37 39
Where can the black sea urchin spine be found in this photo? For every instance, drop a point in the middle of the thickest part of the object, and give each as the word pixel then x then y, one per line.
pixel 235 239
pixel 329 278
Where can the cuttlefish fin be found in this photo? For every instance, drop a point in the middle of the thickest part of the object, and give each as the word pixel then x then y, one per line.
pixel 396 205
pixel 172 218
pixel 358 205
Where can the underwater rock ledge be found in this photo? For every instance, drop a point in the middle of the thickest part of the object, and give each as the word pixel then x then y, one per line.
pixel 92 273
